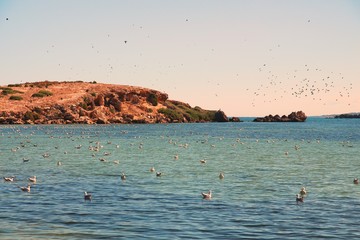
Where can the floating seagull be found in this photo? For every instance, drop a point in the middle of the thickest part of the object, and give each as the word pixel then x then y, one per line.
pixel 176 157
pixel 25 160
pixel 158 174
pixel 221 175
pixel 59 163
pixel 206 195
pixel 152 169
pixel 302 191
pixel 356 181
pixel 123 176
pixel 87 196
pixel 203 161
pixel 299 198
pixel 32 179
pixel 9 179
pixel 102 159
pixel 25 189
pixel 116 161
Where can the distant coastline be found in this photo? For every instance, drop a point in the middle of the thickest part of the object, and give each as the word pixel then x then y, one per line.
pixel 343 115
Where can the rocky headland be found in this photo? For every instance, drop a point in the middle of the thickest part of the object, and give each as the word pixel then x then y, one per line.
pixel 50 102
pixel 299 116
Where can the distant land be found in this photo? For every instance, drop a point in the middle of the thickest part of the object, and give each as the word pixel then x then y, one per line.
pixel 52 102
pixel 343 115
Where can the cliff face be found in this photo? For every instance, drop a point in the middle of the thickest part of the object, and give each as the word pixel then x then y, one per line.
pixel 92 103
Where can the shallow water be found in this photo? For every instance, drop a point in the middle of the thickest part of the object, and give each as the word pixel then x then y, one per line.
pixel 255 200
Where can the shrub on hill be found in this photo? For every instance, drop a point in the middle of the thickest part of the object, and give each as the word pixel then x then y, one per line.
pixel 152 99
pixel 42 93
pixel 16 98
pixel 7 91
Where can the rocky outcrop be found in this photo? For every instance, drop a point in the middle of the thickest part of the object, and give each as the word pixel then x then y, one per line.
pixel 234 119
pixel 96 103
pixel 292 117
pixel 221 117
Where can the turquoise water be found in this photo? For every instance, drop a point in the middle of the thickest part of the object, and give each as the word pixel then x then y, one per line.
pixel 255 200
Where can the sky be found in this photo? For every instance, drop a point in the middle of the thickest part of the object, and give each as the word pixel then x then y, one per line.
pixel 245 57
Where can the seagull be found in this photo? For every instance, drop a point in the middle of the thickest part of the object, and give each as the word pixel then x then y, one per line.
pixel 87 196
pixel 25 189
pixel 116 161
pixel 299 198
pixel 206 195
pixel 25 159
pixel 9 179
pixel 59 163
pixel 158 174
pixel 32 179
pixel 302 191
pixel 152 169
pixel 123 176
pixel 221 175
pixel 356 181
pixel 203 161
pixel 176 157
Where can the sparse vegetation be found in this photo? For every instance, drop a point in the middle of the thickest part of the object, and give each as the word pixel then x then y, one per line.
pixel 172 114
pixel 152 99
pixel 16 98
pixel 31 116
pixel 42 93
pixel 46 93
pixel 178 111
pixel 14 85
pixel 8 90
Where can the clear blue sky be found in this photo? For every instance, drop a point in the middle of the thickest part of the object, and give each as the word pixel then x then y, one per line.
pixel 248 58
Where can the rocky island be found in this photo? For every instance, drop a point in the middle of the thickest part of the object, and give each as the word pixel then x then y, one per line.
pixel 299 116
pixel 51 102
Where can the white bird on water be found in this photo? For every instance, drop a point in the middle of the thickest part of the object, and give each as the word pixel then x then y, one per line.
pixel 302 191
pixel 25 189
pixel 221 175
pixel 9 179
pixel 32 179
pixel 123 176
pixel 152 169
pixel 299 198
pixel 207 195
pixel 202 161
pixel 87 196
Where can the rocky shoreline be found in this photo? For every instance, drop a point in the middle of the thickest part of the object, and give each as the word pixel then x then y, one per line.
pixel 94 103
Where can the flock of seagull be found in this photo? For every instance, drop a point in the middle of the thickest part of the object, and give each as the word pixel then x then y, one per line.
pixel 308 82
pixel 300 197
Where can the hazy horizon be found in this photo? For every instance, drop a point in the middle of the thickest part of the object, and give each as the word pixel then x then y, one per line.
pixel 247 58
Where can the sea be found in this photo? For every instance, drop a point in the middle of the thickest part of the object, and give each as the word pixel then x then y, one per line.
pixel 264 165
